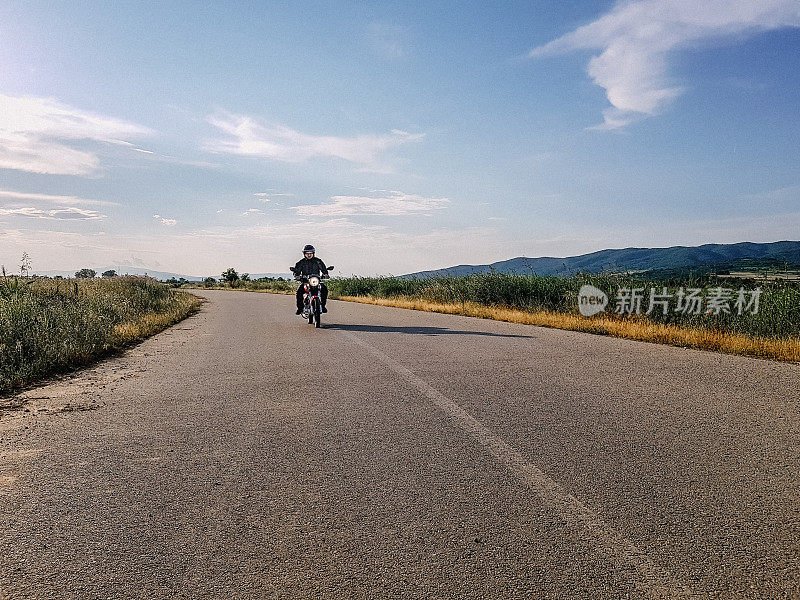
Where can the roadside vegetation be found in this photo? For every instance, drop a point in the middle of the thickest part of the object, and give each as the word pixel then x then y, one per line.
pixel 778 312
pixel 49 326
pixel 773 331
pixel 232 280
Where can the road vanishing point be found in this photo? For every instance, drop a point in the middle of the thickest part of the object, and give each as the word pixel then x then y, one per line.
pixel 244 454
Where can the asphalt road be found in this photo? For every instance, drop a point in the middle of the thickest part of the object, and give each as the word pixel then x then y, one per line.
pixel 399 454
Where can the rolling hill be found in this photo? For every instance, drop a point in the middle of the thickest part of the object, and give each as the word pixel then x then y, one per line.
pixel 635 259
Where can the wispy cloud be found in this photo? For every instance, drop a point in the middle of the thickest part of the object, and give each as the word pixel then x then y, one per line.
pixel 791 193
pixel 59 214
pixel 392 203
pixel 270 196
pixel 636 39
pixel 252 211
pixel 388 40
pixel 33 132
pixel 174 160
pixel 53 199
pixel 247 137
pixel 165 221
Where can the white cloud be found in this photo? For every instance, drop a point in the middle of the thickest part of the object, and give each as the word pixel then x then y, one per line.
pixel 392 203
pixel 165 221
pixel 270 196
pixel 53 199
pixel 59 214
pixel 252 211
pixel 246 137
pixel 636 39
pixel 33 131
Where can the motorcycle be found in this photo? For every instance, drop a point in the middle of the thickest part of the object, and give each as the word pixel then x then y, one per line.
pixel 312 298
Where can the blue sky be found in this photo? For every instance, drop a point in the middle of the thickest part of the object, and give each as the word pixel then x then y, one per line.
pixel 189 136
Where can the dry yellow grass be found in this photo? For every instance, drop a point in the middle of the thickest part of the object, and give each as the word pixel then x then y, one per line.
pixel 643 330
pixel 152 323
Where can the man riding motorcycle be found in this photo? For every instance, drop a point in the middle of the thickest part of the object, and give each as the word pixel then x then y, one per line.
pixel 305 267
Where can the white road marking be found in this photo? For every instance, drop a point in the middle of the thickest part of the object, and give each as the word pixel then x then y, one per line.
pixel 652 579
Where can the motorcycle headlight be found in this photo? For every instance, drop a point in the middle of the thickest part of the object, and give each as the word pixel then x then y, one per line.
pixel 313 281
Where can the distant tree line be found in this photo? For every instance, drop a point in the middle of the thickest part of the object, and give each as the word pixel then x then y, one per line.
pixel 233 278
pixel 89 273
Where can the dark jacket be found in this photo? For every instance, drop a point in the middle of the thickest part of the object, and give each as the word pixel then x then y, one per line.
pixel 308 267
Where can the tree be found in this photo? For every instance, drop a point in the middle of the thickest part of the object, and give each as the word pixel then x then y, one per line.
pixel 245 277
pixel 209 281
pixel 230 275
pixel 110 273
pixel 25 265
pixel 85 273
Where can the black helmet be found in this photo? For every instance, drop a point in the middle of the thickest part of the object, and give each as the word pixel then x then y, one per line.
pixel 309 248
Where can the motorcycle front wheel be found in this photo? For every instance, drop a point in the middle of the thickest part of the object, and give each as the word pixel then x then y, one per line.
pixel 317 314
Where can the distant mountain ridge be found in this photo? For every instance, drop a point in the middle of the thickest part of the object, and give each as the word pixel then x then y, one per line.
pixel 631 259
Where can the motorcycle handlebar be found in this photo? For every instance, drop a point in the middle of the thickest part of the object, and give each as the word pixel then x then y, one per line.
pixel 299 277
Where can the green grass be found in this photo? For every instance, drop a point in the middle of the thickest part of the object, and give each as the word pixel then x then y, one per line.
pixel 778 315
pixel 50 326
pixel 261 285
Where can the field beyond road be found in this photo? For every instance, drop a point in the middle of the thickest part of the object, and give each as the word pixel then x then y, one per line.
pixel 396 453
